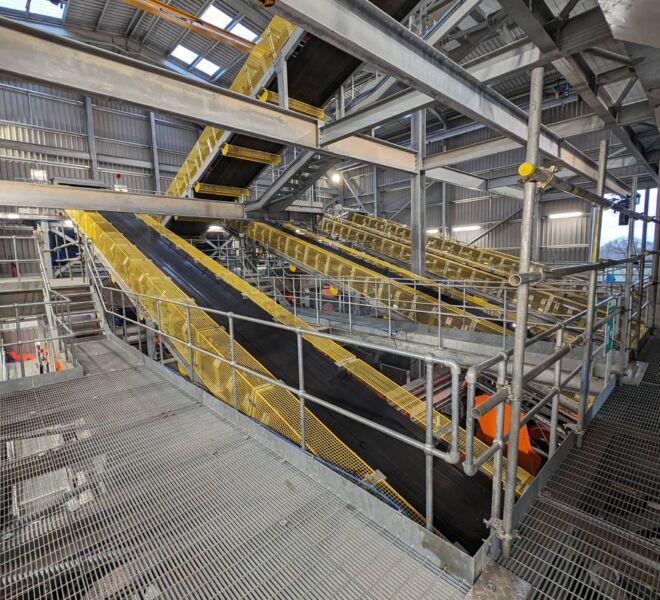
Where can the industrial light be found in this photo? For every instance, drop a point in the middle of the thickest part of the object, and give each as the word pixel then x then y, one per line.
pixel 335 178
pixel 216 228
pixel 13 216
pixel 565 215
pixel 184 54
pixel 433 231
pixel 467 228
pixel 68 223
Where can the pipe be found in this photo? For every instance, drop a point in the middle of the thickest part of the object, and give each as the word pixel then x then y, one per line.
pixel 522 303
pixel 640 285
pixel 627 307
pixel 529 171
pixel 596 227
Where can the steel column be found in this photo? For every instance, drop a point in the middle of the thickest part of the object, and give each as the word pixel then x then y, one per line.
pixel 515 396
pixel 154 151
pixel 282 82
pixel 596 227
pixel 654 270
pixel 418 197
pixel 91 139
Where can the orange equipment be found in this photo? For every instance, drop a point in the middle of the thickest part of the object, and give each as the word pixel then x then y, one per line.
pixel 527 458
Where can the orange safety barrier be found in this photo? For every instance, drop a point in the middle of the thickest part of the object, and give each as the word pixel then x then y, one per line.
pixel 527 458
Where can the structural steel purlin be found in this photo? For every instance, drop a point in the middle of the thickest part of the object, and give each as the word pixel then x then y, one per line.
pixel 33 54
pixel 361 29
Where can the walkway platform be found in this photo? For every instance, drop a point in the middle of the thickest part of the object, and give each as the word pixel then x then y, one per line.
pixel 122 484
pixel 594 531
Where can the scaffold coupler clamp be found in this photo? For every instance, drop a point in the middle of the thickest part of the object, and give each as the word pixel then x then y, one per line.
pixel 497 525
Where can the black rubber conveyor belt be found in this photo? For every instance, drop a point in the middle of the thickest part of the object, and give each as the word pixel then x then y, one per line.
pixel 460 503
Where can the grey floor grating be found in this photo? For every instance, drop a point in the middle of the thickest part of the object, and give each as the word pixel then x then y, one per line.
pixel 118 484
pixel 594 532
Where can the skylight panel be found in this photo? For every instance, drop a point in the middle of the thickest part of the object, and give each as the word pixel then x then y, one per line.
pixel 208 67
pixel 244 32
pixel 45 8
pixel 184 54
pixel 216 17
pixel 13 4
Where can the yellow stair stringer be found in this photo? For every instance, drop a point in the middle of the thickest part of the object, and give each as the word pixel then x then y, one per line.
pixel 382 385
pixel 246 82
pixel 273 406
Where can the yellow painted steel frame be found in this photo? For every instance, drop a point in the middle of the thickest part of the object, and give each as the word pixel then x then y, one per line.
pixel 469 322
pixel 270 44
pixel 273 406
pixel 243 153
pixel 382 385
pixel 221 190
pixel 443 265
pixel 410 303
pixel 302 107
pixel 480 258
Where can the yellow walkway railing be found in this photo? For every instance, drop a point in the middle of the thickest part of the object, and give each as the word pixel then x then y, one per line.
pixel 382 385
pixel 271 405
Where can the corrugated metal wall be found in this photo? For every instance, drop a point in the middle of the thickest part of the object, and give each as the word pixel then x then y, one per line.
pixel 44 128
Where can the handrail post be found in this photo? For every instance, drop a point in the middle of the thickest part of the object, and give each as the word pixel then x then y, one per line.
pixel 160 332
pixel 16 262
pixel 232 355
pixel 627 285
pixel 18 340
pixel 191 359
pixel 301 388
pixel 123 315
pixel 137 318
pixel 429 445
pixel 640 285
pixel 554 415
pixel 596 227
pixel 522 306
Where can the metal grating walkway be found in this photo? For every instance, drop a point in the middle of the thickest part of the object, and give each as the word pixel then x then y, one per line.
pixel 594 532
pixel 119 484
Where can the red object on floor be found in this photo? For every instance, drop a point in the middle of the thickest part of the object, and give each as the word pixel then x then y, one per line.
pixel 16 357
pixel 527 458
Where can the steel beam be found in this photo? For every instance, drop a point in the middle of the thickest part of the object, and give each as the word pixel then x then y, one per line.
pixel 472 182
pixel 575 70
pixel 361 29
pixel 33 54
pixel 63 197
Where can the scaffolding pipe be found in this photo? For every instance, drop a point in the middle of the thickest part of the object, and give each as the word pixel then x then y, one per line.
pixel 654 269
pixel 535 276
pixel 522 302
pixel 640 283
pixel 530 171
pixel 596 227
pixel 627 305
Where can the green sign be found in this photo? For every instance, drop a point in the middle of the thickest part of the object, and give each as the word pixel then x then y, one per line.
pixel 609 328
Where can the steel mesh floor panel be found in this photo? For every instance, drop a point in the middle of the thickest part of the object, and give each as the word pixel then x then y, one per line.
pixel 120 485
pixel 98 356
pixel 594 532
pixel 651 355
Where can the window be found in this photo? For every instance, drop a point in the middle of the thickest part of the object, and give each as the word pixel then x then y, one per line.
pixel 184 54
pixel 244 32
pixel 13 4
pixel 216 17
pixel 208 67
pixel 45 8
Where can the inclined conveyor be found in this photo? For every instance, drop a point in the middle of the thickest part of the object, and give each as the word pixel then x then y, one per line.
pixel 461 503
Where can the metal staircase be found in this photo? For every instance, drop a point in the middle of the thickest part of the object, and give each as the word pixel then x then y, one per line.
pixel 84 318
pixel 305 170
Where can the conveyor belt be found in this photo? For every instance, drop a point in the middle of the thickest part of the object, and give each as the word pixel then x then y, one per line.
pixel 362 278
pixel 460 502
pixel 315 71
pixel 488 257
pixel 448 295
pixel 448 267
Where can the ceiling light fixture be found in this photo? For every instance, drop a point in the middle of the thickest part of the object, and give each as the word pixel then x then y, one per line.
pixel 467 228
pixel 566 215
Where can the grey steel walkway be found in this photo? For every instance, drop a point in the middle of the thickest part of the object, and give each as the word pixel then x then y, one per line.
pixel 119 484
pixel 594 532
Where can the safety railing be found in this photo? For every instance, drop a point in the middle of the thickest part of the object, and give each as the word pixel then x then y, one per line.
pixel 34 343
pixel 194 354
pixel 19 257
